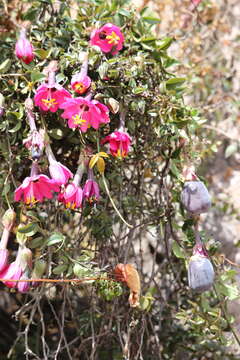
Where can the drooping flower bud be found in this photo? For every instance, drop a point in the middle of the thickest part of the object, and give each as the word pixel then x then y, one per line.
pixel 23 48
pixel 200 270
pixel 8 219
pixel 195 197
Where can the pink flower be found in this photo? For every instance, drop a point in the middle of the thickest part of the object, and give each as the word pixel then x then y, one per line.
pixel 91 191
pixel 109 38
pixel 23 48
pixel 72 196
pixel 3 259
pixel 50 98
pixel 12 272
pixel 35 188
pixel 84 113
pixel 24 286
pixel 119 142
pixel 80 83
pixel 18 269
pixel 60 173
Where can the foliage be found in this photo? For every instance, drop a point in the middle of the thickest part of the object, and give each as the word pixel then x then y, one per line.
pixel 93 319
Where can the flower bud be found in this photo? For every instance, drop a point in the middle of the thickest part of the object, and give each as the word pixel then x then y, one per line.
pixel 23 48
pixel 195 197
pixel 200 273
pixel 8 219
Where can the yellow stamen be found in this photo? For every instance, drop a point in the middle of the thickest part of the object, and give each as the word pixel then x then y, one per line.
pixel 78 120
pixel 113 38
pixel 70 205
pixel 31 200
pixel 49 103
pixel 79 86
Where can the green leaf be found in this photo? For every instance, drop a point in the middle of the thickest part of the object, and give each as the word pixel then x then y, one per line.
pixel 81 271
pixel 138 90
pixel 148 39
pixel 178 251
pixel 56 134
pixel 124 13
pixel 37 76
pixel 231 291
pixel 5 66
pixel 6 189
pixel 38 242
pixel 29 229
pixel 164 43
pixel 33 215
pixel 174 83
pixel 151 20
pixel 231 149
pixel 174 170
pixel 43 54
pixel 55 238
pixel 60 269
pixel 31 14
pixel 16 127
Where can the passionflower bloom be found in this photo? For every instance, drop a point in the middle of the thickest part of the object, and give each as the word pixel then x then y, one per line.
pixel 108 38
pixel 195 197
pixel 83 113
pixel 49 98
pixel 80 83
pixel 200 270
pixel 35 188
pixel 72 196
pixel 91 191
pixel 119 143
pixel 23 48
